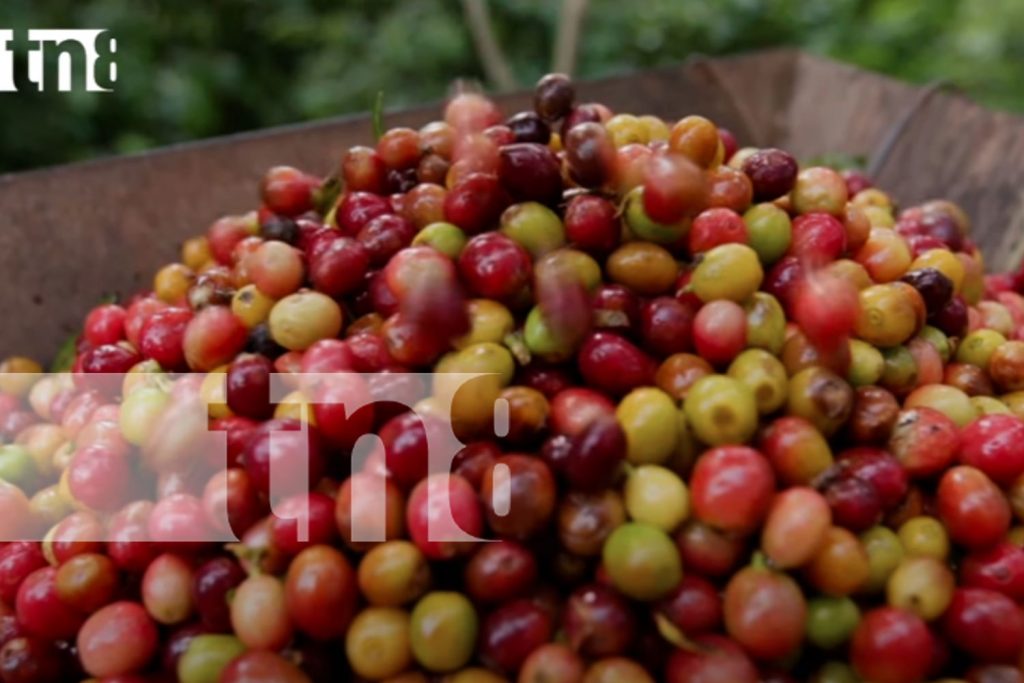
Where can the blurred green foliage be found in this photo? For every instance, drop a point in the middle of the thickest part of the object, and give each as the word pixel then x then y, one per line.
pixel 189 70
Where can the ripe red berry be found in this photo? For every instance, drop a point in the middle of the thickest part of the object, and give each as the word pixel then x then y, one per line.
pixel 855 504
pixel 720 331
pixel 40 610
pixel 891 645
pixel 611 363
pixel 985 624
pixel 593 459
pixel 475 202
pixel 592 224
pixel 248 387
pixel 100 478
pixel 495 266
pixel 667 326
pixel 162 337
pixel 18 560
pixel 288 191
pixel 924 441
pixel 826 309
pixel 732 488
pixel 118 640
pixel 284 457
pixel 356 209
pixel 301 521
pixel 598 622
pixel 713 227
pixel 443 516
pixel 363 170
pixel 764 612
pixel 105 325
pixel 213 337
pixel 879 469
pixel 784 280
pixel 338 266
pixel 995 445
pixel 772 173
pixel 716 658
pixel 384 236
pixel 510 633
pixel 999 568
pixel 674 187
pixel 818 238
pixel 530 172
pixel 574 409
pixel 973 508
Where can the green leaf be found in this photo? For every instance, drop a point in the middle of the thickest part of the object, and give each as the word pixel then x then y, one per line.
pixel 326 195
pixel 65 357
pixel 378 115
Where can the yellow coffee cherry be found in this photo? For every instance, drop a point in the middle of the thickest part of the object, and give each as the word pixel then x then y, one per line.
pixel 251 306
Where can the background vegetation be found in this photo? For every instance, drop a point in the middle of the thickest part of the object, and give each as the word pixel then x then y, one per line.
pixel 195 69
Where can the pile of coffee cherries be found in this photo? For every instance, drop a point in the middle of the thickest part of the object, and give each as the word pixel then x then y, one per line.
pixel 759 425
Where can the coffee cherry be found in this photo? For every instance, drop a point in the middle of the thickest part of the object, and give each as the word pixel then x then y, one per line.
pixel 819 189
pixel 166 589
pixel 795 527
pixel 674 188
pixel 716 658
pixel 591 224
pixel 552 662
pixel 695 138
pixel 585 520
pixel 207 656
pixel 86 582
pixel 443 631
pixel 117 640
pixel 642 561
pixel 831 621
pixel 598 622
pixel 772 172
pixel 826 309
pixel 971 507
pixel 995 445
pixel 530 171
pixel 985 624
pixel 731 488
pixel 657 496
pixel 530 495
pixel 320 591
pixel 611 363
pixel 709 278
pixel 511 632
pixel 589 153
pixel 720 331
pixel 33 660
pixel 443 516
pixel 891 646
pixel 924 441
pixel 494 266
pixel 764 375
pixel 765 612
pixel 840 565
pixel 1000 568
pixel 721 410
pixel 262 667
pixel 924 536
pixel 921 585
pixel 553 96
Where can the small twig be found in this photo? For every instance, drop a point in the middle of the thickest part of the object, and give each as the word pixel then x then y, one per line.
pixel 570 21
pixel 493 60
